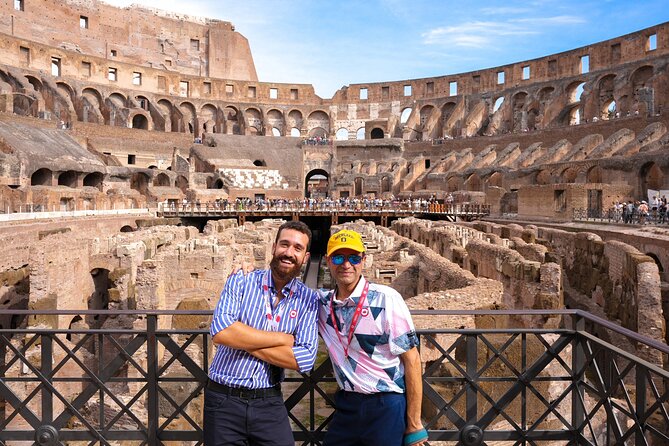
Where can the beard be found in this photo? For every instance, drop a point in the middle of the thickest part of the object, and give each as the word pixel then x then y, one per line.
pixel 285 272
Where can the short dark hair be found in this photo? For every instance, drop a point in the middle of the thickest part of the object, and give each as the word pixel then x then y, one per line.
pixel 295 225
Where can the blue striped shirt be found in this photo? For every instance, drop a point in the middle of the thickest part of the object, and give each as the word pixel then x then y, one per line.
pixel 242 300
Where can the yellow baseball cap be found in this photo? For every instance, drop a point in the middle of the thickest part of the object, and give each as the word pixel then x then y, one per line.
pixel 345 239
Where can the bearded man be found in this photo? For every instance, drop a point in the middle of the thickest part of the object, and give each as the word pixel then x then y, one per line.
pixel 264 323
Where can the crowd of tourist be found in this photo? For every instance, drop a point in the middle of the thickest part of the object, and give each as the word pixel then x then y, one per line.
pixel 317 141
pixel 325 203
pixel 639 212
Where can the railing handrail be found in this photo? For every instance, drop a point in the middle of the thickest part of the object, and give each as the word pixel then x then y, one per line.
pixel 630 334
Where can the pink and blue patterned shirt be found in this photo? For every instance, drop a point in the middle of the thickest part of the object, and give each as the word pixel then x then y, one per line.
pixel 383 332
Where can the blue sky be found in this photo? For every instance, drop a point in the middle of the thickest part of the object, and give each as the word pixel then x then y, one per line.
pixel 334 43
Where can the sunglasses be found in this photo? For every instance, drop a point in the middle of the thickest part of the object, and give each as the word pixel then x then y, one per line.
pixel 339 259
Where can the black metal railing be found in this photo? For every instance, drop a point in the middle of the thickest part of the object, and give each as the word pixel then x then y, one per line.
pixel 141 380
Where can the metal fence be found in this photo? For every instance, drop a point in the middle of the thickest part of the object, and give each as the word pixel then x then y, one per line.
pixel 141 382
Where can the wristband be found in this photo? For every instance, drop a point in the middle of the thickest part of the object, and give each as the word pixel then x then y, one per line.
pixel 415 437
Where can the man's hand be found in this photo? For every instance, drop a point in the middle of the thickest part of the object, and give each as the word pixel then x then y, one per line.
pixel 245 267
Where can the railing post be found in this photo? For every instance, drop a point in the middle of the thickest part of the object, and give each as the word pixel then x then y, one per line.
pixel 152 377
pixel 47 369
pixel 578 372
pixel 641 373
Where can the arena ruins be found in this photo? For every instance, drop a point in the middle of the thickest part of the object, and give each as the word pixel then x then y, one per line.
pixel 109 116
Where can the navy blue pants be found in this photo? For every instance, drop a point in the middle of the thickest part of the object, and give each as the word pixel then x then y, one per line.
pixel 230 420
pixel 367 420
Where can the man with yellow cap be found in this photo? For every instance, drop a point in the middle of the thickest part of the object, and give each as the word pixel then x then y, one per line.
pixel 372 342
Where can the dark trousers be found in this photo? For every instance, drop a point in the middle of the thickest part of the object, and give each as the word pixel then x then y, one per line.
pixel 231 420
pixel 367 420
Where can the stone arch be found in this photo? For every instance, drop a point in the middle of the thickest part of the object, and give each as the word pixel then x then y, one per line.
pixel 405 114
pixel 342 134
pixel 68 178
pixel 209 118
pixel 543 177
pixel 276 120
pixel 318 119
pixel 641 76
pixel 189 117
pixel 117 100
pixel 161 180
pixel 518 102
pixel 94 179
pixel 316 183
pixel 42 177
pixel 651 177
pixel 253 121
pixel 376 133
pixel 295 119
pixel 318 132
pixel 140 181
pixel 575 91
pixel 425 113
pixel 569 175
pixel 143 102
pixel 495 179
pixel 170 121
pixel 473 183
pixel 91 106
pixel 182 183
pixel 139 121
pixel 232 120
pixel 594 175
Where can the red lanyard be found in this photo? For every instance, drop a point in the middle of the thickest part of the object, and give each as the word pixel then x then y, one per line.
pixel 354 320
pixel 273 321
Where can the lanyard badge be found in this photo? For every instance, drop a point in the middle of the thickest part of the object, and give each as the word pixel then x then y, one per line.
pixel 354 321
pixel 273 320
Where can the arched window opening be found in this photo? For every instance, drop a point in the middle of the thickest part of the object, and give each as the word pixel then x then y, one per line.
pixel 495 180
pixel 594 175
pixel 94 179
pixel 341 135
pixel 41 177
pixel 140 122
pixel 542 178
pixel 377 133
pixel 161 180
pixel 404 117
pixel 68 179
pixel 317 184
pixel 498 104
pixel 569 175
pixel 610 110
pixel 575 116
pixel 576 92
pixel 360 134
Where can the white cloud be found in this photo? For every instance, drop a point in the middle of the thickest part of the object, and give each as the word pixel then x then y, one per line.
pixel 503 10
pixel 548 21
pixel 474 34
